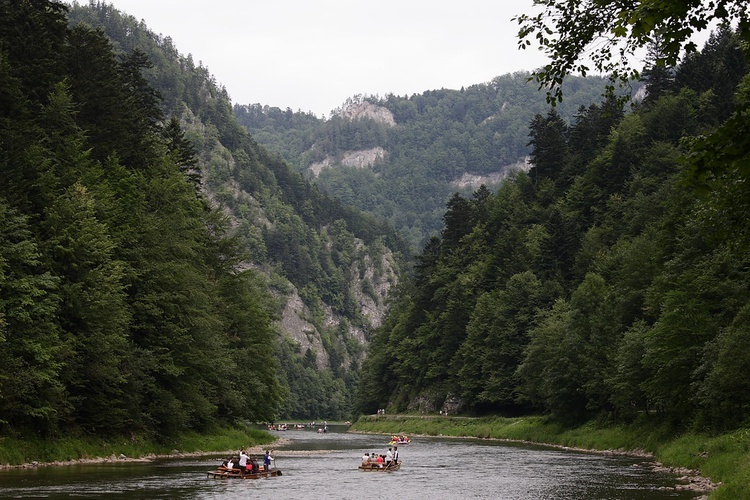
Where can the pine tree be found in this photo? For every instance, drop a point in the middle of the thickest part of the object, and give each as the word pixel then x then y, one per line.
pixel 33 353
pixel 548 145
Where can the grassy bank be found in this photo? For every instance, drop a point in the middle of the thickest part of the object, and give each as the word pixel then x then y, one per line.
pixel 724 459
pixel 23 451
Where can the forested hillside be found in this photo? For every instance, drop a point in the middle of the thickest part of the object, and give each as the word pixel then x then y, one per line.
pixel 401 158
pixel 611 280
pixel 119 308
pixel 329 267
pixel 152 255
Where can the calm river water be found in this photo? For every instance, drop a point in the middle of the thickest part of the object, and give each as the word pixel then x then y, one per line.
pixel 324 466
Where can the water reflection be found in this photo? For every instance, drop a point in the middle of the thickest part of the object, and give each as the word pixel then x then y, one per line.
pixel 324 466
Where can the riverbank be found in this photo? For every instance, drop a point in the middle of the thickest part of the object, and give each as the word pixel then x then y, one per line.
pixel 718 466
pixel 25 453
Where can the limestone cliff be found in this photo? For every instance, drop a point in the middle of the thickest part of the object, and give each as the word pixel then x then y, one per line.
pixel 370 276
pixel 364 158
pixel 359 108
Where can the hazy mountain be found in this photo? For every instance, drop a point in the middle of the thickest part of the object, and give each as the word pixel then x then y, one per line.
pixel 402 158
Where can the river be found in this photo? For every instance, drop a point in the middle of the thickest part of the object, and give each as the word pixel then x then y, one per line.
pixel 324 466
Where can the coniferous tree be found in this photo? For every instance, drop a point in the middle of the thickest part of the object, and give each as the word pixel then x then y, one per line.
pixel 93 312
pixel 658 78
pixel 548 145
pixel 458 221
pixel 97 89
pixel 33 353
pixel 183 152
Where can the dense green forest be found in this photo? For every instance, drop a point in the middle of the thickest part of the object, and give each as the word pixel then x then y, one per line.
pixel 119 308
pixel 150 247
pixel 610 281
pixel 148 244
pixel 428 143
pixel 338 261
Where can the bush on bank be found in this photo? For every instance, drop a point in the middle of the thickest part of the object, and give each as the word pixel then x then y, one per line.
pixel 724 458
pixel 18 451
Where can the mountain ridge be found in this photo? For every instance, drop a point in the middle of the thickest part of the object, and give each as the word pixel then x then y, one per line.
pixel 418 149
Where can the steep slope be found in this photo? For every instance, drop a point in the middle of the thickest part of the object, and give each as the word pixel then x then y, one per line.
pixel 329 267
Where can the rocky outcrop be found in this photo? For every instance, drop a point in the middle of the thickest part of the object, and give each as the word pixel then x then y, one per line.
pixel 295 324
pixel 373 276
pixel 373 272
pixel 434 402
pixel 364 109
pixel 364 158
pixel 357 109
pixel 471 181
pixel 371 288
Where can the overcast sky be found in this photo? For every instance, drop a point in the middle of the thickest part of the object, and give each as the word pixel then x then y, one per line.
pixel 311 55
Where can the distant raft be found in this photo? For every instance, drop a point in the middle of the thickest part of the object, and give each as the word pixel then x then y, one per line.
pixel 224 473
pixel 380 467
pixel 401 440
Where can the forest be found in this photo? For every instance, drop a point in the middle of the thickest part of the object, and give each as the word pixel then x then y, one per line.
pixel 610 281
pixel 120 311
pixel 147 243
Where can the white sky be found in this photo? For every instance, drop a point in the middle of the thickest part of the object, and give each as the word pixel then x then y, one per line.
pixel 311 55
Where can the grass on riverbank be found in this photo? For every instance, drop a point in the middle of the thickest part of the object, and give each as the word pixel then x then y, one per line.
pixel 15 451
pixel 724 458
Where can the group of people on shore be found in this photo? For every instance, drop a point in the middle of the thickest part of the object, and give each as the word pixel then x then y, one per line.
pixel 245 464
pixel 382 460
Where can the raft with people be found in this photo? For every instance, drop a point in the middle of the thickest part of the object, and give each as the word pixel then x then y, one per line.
pixel 245 466
pixel 224 473
pixel 399 440
pixel 380 467
pixel 387 462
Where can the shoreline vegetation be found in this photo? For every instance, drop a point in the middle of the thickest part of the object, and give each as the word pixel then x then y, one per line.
pixel 18 453
pixel 717 466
